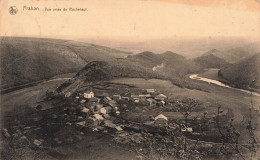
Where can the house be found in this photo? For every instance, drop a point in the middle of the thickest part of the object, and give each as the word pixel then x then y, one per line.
pixel 136 100
pixel 125 98
pixel 161 103
pixel 85 110
pixel 68 94
pixel 94 99
pixel 145 96
pixel 161 120
pixel 98 107
pixel 83 101
pixel 117 113
pixel 160 97
pixel 186 129
pixel 105 110
pixel 89 94
pixel 116 97
pixel 96 120
pixel 150 90
pixel 161 116
pixel 107 99
pixel 151 101
pixel 135 97
pixel 142 98
pixel 115 108
pixel 112 103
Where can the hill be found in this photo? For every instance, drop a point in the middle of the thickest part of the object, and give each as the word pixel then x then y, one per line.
pixel 25 60
pixel 168 66
pixel 233 55
pixel 211 61
pixel 242 74
pixel 167 62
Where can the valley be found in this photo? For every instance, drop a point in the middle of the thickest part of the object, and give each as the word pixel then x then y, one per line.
pixel 235 100
pixel 73 100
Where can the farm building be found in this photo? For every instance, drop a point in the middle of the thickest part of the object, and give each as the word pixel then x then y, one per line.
pixel 161 120
pixel 116 97
pixel 112 103
pixel 135 97
pixel 161 103
pixel 161 97
pixel 107 99
pixel 93 99
pixel 125 98
pixel 105 110
pixel 151 101
pixel 98 107
pixel 145 96
pixel 85 110
pixel 142 98
pixel 150 90
pixel 186 129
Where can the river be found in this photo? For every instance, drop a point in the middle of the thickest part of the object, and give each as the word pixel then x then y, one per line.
pixel 211 81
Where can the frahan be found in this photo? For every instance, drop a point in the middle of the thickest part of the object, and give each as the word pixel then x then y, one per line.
pixel 30 8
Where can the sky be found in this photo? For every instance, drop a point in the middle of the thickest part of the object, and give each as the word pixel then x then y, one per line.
pixel 133 20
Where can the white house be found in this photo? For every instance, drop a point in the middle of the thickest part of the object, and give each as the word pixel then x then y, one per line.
pixel 89 94
pixel 150 90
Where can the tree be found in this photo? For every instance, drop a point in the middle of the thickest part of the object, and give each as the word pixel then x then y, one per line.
pixel 186 107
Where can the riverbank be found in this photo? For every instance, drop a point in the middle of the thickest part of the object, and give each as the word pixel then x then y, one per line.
pixel 218 83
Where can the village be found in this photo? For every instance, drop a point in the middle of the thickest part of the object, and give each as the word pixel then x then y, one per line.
pixel 130 116
pixel 148 109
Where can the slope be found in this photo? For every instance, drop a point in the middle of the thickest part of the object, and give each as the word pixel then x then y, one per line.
pixel 25 60
pixel 211 61
pixel 242 74
pixel 167 62
pixel 172 67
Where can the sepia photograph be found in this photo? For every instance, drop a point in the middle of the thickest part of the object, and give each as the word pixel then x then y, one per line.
pixel 130 80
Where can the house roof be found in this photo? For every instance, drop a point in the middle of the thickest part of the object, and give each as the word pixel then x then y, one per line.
pixel 145 95
pixel 93 99
pixel 134 96
pixel 89 92
pixel 112 103
pixel 98 116
pixel 161 116
pixel 151 100
pixel 108 108
pixel 85 110
pixel 161 96
pixel 108 98
pixel 116 95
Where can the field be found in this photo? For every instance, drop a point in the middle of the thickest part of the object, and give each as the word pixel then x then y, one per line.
pixel 238 101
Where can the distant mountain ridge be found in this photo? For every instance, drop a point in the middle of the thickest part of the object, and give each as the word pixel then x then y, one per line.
pixel 173 63
pixel 232 55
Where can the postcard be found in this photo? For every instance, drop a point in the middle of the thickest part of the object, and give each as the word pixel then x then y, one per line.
pixel 130 80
